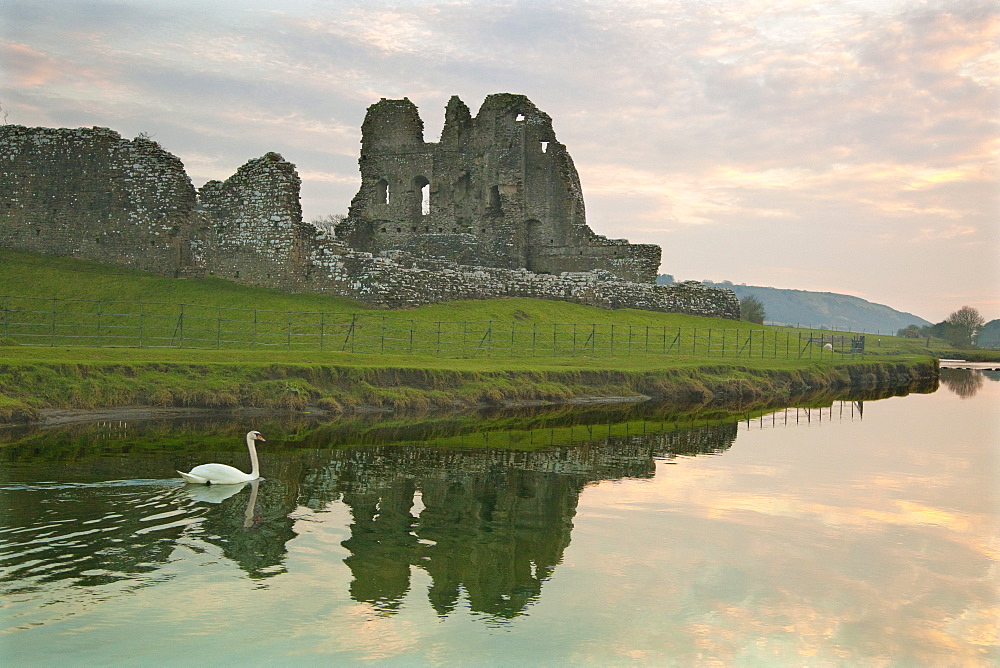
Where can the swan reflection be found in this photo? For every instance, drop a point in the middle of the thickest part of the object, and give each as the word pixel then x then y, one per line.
pixel 218 493
pixel 212 493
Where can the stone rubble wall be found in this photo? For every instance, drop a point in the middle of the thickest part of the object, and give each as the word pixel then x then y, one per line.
pixel 91 194
pixel 399 280
pixel 250 226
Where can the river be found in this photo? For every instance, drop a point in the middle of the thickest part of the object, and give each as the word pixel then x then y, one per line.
pixel 846 533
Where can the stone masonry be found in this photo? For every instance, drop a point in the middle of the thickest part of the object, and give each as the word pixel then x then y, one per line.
pixel 89 193
pixel 505 215
pixel 498 190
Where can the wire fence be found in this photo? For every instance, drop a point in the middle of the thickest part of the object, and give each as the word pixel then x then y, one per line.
pixel 90 323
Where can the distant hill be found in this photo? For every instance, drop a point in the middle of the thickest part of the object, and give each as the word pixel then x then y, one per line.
pixel 989 335
pixel 821 309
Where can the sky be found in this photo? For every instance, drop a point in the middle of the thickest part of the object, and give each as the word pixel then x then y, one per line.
pixel 845 146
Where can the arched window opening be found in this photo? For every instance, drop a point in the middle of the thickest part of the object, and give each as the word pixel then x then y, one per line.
pixel 381 191
pixel 496 205
pixel 424 186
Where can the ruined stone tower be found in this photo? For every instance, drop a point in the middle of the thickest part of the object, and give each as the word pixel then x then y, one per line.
pixel 498 190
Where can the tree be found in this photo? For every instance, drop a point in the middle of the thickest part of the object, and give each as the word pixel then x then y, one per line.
pixel 910 332
pixel 966 321
pixel 329 222
pixel 752 310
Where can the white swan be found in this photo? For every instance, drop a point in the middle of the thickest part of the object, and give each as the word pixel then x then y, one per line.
pixel 221 474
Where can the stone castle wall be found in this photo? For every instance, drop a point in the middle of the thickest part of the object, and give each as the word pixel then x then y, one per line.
pixel 91 194
pixel 497 190
pixel 249 227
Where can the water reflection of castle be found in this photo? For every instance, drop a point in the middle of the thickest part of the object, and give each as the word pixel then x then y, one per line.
pixel 487 525
pixel 490 523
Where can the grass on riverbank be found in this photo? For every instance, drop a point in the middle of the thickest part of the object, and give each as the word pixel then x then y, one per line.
pixel 32 379
pixel 37 377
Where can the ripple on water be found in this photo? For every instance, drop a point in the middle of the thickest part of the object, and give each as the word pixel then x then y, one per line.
pixel 98 542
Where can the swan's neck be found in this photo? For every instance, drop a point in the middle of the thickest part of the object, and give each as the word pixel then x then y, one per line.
pixel 254 466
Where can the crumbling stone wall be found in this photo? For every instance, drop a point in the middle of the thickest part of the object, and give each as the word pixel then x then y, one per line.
pixel 498 190
pixel 250 226
pixel 89 193
pixel 398 279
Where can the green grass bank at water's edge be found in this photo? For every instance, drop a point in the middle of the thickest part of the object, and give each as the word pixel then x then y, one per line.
pixel 35 379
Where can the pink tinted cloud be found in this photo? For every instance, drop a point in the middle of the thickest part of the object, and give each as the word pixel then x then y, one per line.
pixel 28 67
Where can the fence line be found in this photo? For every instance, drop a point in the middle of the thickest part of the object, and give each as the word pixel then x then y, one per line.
pixel 92 323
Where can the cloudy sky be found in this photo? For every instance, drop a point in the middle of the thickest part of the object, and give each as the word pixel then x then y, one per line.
pixel 845 146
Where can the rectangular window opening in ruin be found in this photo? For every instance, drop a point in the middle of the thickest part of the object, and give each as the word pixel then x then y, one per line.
pixel 545 147
pixel 425 199
pixel 382 192
pixel 520 117
pixel 496 204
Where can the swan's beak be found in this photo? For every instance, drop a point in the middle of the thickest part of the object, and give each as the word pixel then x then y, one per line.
pixel 260 438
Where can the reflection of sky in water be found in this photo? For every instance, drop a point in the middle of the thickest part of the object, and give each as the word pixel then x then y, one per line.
pixel 828 539
pixel 871 539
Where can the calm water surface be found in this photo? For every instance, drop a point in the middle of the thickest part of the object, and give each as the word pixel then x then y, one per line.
pixel 859 533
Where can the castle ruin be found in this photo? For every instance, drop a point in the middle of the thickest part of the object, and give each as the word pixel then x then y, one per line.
pixel 498 190
pixel 494 209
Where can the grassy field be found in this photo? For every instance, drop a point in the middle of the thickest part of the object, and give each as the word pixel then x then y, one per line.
pixel 294 377
pixel 66 302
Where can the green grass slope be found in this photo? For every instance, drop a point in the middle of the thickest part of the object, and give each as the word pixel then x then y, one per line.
pixel 83 375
